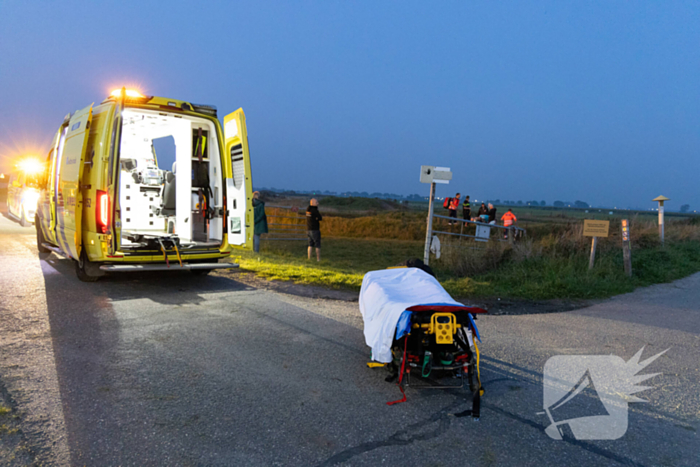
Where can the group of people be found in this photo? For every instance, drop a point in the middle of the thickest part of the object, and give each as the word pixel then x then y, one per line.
pixel 485 214
pixel 313 226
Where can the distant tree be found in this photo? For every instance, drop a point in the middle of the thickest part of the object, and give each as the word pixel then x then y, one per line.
pixel 685 208
pixel 581 204
pixel 498 201
pixel 543 203
pixel 520 202
pixel 559 204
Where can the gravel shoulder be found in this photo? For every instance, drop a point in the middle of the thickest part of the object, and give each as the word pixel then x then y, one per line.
pixel 495 306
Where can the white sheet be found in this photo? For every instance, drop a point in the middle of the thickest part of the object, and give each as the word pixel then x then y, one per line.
pixel 386 294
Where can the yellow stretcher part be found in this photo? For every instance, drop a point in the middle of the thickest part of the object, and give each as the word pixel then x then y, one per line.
pixel 375 364
pixel 478 371
pixel 444 332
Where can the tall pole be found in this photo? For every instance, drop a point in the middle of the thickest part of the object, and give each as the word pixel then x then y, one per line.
pixel 429 228
pixel 661 200
pixel 661 221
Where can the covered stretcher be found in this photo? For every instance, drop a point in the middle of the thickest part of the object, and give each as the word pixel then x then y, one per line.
pixel 414 327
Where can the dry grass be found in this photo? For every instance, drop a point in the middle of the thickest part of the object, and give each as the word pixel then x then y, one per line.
pixel 558 241
pixel 391 225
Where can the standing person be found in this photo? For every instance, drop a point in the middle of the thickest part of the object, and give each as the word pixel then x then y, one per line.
pixel 454 204
pixel 313 228
pixel 466 209
pixel 260 220
pixel 492 214
pixel 509 220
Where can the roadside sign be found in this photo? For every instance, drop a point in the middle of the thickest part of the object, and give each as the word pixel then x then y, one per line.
pixel 593 228
pixel 431 174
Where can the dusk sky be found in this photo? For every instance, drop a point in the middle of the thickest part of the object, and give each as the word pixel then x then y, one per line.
pixel 593 101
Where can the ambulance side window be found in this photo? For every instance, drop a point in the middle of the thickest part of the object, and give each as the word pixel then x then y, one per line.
pixel 57 159
pixel 44 177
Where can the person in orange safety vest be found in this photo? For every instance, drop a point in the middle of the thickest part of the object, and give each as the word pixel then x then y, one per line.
pixel 508 220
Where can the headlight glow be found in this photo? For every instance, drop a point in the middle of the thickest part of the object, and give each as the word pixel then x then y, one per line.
pixel 30 200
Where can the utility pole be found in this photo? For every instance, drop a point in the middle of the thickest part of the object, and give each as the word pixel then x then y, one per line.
pixel 429 228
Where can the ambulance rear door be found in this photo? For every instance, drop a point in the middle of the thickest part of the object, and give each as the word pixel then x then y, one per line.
pixel 239 219
pixel 69 206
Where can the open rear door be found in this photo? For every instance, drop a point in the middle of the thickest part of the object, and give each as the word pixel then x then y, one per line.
pixel 70 199
pixel 239 185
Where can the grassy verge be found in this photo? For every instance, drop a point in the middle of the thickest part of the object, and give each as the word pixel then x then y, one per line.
pixel 559 277
pixel 344 260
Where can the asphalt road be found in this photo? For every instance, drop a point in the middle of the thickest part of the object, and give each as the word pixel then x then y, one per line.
pixel 172 369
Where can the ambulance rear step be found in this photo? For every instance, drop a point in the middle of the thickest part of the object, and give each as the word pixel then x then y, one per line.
pixel 164 267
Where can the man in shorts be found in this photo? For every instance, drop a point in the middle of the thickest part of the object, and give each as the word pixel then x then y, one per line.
pixel 313 228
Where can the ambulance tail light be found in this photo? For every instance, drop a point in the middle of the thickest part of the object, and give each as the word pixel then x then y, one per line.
pixel 102 212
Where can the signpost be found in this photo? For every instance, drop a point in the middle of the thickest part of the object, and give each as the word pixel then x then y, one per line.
pixel 432 175
pixel 661 200
pixel 595 229
pixel 626 253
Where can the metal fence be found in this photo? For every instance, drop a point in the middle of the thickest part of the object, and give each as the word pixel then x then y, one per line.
pixel 482 230
pixel 288 223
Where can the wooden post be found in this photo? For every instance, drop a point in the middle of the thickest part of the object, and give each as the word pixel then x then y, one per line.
pixel 511 236
pixel 626 252
pixel 592 260
pixel 429 228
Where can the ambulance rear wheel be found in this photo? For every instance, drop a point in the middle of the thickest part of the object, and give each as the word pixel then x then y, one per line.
pixel 82 268
pixel 40 238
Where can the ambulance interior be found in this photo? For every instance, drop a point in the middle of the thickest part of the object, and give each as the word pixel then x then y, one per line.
pixel 170 180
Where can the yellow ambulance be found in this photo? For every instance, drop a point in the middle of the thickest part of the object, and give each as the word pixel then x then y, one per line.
pixel 143 183
pixel 22 191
